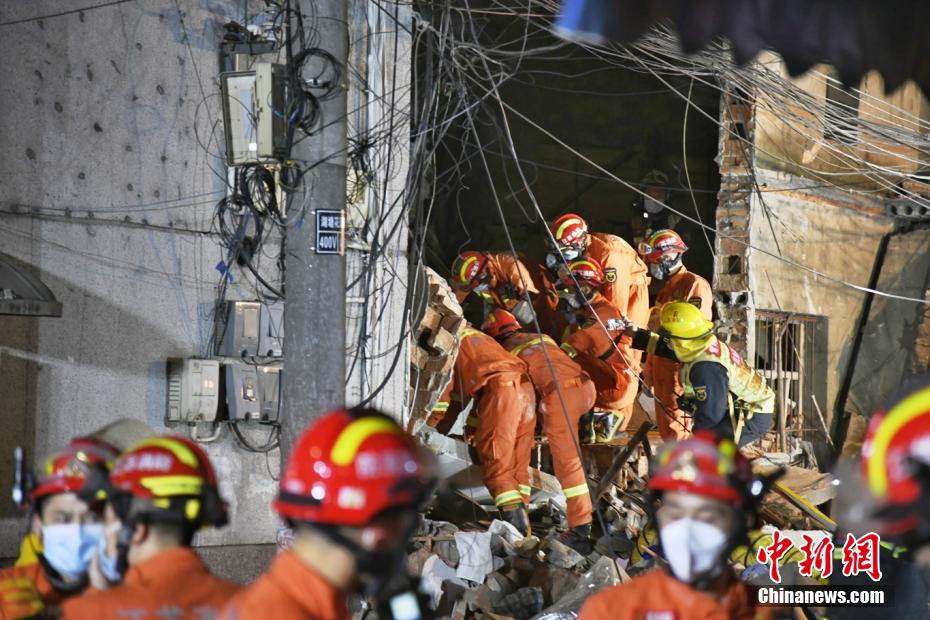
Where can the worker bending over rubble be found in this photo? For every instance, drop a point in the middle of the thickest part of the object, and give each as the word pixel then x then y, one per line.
pixel 727 395
pixel 503 419
pixel 704 499
pixel 593 339
pixel 625 285
pixel 159 494
pixel 501 280
pixel 351 491
pixel 662 251
pixel 564 393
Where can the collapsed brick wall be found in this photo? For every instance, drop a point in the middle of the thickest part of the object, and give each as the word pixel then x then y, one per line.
pixel 433 348
pixel 731 262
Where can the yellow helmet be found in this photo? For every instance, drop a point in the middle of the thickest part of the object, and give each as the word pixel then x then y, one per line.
pixel 683 320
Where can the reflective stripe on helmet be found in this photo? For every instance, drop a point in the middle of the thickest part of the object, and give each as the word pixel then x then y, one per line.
pixel 463 272
pixel 900 415
pixel 351 438
pixel 178 449
pixel 560 231
pixel 169 486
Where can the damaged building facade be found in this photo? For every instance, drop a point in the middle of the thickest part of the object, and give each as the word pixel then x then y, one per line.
pixel 819 203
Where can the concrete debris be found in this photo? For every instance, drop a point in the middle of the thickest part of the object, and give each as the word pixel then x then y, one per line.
pixel 435 573
pixel 522 604
pixel 561 555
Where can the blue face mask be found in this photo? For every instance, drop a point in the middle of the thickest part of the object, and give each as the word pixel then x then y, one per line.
pixel 69 548
pixel 108 563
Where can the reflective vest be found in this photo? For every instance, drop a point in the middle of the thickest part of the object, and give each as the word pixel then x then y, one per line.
pixel 747 386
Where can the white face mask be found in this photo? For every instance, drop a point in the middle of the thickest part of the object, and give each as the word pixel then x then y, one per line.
pixel 693 548
pixel 108 563
pixel 657 271
pixel 69 548
pixel 570 254
pixel 482 288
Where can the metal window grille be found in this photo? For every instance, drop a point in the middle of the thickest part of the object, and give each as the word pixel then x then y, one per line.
pixel 791 353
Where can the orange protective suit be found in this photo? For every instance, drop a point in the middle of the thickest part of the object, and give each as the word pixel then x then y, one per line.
pixel 289 590
pixel 661 373
pixel 510 281
pixel 505 417
pixel 25 591
pixel 659 595
pixel 614 373
pixel 564 378
pixel 551 321
pixel 627 287
pixel 175 583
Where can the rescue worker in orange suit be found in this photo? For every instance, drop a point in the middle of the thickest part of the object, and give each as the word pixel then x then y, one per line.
pixel 67 510
pixel 351 491
pixel 704 498
pixel 503 419
pixel 161 491
pixel 663 251
pixel 725 394
pixel 564 393
pixel 626 286
pixel 886 492
pixel 501 280
pixel 546 304
pixel 594 341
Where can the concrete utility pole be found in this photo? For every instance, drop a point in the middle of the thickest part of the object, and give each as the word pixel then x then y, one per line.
pixel 314 308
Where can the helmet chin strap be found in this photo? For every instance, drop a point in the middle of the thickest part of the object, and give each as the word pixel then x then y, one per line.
pixel 59 583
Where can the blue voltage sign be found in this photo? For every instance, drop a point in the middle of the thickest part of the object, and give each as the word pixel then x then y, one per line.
pixel 329 231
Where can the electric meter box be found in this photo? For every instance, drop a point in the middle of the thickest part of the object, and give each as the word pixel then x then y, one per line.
pixel 193 390
pixel 238 329
pixel 252 392
pixel 271 338
pixel 254 114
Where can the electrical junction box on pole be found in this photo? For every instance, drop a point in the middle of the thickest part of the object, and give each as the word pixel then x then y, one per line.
pixel 253 393
pixel 238 329
pixel 193 390
pixel 254 114
pixel 271 330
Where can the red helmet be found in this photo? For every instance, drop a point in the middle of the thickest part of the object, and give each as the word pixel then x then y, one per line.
pixel 659 243
pixel 70 470
pixel 468 270
pixel 350 466
pixel 176 474
pixel 500 324
pixel 703 465
pixel 570 231
pixel 896 457
pixel 583 271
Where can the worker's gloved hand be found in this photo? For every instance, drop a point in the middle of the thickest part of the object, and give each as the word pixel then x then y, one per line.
pixel 524 314
pixel 19 598
pixel 622 324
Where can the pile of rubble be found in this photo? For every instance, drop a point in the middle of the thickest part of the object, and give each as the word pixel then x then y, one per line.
pixel 497 573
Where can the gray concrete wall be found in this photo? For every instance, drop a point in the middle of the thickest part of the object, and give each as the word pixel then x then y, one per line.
pixel 109 179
